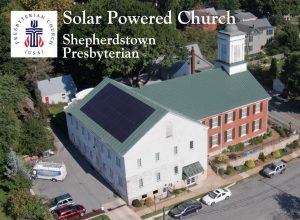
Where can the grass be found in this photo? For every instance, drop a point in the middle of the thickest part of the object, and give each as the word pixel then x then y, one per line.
pixel 58 116
pixel 101 217
pixel 3 198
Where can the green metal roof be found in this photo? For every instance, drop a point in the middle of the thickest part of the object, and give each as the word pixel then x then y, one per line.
pixel 191 170
pixel 120 148
pixel 207 93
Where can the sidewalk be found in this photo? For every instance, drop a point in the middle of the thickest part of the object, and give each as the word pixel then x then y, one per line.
pixel 213 181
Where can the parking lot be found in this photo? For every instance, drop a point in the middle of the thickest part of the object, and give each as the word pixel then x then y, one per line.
pixel 84 184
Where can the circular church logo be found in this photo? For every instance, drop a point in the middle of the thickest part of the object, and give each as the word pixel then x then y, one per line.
pixel 33 34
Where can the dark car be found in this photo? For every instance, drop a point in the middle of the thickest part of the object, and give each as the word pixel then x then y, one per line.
pixel 70 211
pixel 185 208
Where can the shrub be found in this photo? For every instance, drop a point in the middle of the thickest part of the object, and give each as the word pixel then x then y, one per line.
pixel 149 201
pixel 236 147
pixel 262 156
pixel 229 170
pixel 256 140
pixel 269 134
pixel 241 168
pixel 221 171
pixel 276 154
pixel 250 164
pixel 222 158
pixel 293 145
pixel 136 203
pixel 282 132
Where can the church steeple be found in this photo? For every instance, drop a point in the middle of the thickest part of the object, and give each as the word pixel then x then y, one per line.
pixel 231 50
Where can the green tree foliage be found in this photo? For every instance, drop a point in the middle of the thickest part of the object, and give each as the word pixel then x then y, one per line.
pixel 222 4
pixel 23 205
pixel 206 40
pixel 49 5
pixel 274 68
pixel 11 92
pixel 8 65
pixel 34 137
pixel 291 74
pixel 9 129
pixel 168 40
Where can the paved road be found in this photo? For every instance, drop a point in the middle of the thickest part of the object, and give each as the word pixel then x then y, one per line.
pixel 258 198
pixel 285 113
pixel 82 182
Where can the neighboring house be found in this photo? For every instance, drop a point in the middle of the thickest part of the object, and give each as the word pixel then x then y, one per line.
pixel 223 13
pixel 184 67
pixel 278 86
pixel 258 32
pixel 244 16
pixel 56 90
pixel 140 147
pixel 210 12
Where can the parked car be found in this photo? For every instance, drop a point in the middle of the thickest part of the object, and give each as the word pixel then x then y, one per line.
pixel 185 208
pixel 274 168
pixel 61 201
pixel 48 153
pixel 70 211
pixel 215 196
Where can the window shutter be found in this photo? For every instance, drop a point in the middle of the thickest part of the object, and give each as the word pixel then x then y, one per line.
pixel 210 123
pixel 254 109
pixel 226 118
pixel 248 110
pixel 253 126
pixel 260 123
pixel 233 133
pixel 219 120
pixel 210 141
pixel 219 138
pixel 247 128
pixel 233 116
pixel 241 110
pixel 261 106
pixel 240 131
pixel 225 136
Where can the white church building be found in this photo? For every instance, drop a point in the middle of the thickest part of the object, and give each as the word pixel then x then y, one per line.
pixel 140 147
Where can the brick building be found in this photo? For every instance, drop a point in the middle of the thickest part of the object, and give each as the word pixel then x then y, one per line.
pixel 227 99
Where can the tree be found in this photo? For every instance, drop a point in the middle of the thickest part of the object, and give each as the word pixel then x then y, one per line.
pixel 23 205
pixel 168 41
pixel 12 92
pixel 291 74
pixel 49 5
pixel 274 68
pixel 35 138
pixel 9 129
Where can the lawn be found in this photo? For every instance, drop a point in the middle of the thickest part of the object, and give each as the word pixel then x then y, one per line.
pixel 102 217
pixel 58 117
pixel 3 197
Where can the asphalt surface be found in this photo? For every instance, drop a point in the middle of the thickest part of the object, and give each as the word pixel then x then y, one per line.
pixel 84 184
pixel 285 112
pixel 258 198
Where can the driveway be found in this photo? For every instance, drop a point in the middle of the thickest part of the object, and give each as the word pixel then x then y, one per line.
pixel 85 185
pixel 284 113
pixel 259 198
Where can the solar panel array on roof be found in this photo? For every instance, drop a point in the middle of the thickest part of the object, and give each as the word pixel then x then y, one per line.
pixel 119 113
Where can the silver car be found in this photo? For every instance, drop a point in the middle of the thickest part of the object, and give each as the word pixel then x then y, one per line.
pixel 274 168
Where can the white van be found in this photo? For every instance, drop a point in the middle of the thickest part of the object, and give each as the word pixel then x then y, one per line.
pixel 50 171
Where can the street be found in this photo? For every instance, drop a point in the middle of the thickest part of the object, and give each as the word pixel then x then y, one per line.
pixel 258 198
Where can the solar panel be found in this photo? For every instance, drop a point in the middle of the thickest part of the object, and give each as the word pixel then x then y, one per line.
pixel 117 112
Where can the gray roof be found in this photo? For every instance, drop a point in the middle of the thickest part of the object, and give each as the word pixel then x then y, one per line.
pixel 232 30
pixel 191 170
pixel 202 12
pixel 221 12
pixel 55 85
pixel 258 24
pixel 245 15
pixel 208 93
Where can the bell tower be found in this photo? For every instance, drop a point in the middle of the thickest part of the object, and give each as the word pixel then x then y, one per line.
pixel 231 50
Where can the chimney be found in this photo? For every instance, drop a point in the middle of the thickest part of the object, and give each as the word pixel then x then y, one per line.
pixel 193 61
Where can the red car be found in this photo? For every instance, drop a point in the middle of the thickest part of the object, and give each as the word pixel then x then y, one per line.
pixel 70 211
